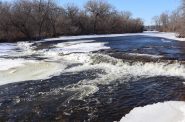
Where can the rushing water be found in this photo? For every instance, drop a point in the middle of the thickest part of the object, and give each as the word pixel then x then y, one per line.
pixel 97 79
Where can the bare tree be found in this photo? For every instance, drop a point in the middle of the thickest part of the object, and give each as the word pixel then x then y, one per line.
pixel 72 17
pixel 4 21
pixel 30 19
pixel 21 17
pixel 157 22
pixel 97 9
pixel 174 21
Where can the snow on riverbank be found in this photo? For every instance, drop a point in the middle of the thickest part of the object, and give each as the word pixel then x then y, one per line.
pixel 167 35
pixel 81 46
pixel 171 111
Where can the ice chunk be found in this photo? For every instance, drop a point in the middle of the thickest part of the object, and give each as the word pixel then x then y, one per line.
pixel 6 64
pixel 6 48
pixel 24 70
pixel 171 111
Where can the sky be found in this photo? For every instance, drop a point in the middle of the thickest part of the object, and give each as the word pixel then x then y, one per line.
pixel 145 9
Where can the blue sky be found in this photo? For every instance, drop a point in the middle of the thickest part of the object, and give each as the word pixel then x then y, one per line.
pixel 144 9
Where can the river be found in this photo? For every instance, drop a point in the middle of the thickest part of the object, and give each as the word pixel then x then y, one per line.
pixel 88 79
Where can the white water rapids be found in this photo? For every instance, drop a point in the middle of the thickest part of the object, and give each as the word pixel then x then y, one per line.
pixel 15 68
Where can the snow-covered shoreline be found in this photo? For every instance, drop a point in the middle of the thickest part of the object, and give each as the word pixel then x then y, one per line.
pixel 167 35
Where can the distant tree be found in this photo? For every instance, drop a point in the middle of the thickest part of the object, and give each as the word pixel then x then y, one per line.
pixel 72 17
pixel 173 22
pixel 6 29
pixel 164 18
pixel 98 9
pixel 157 22
pixel 21 17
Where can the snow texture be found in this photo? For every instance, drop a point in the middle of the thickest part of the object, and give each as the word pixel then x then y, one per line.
pixel 171 111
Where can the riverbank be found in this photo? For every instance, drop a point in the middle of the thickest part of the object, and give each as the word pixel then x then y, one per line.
pixel 167 35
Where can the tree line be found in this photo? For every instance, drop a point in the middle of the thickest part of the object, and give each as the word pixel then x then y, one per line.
pixel 172 21
pixel 36 19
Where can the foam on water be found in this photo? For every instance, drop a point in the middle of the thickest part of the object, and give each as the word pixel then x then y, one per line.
pixel 63 48
pixel 120 67
pixel 26 49
pixel 145 55
pixel 117 70
pixel 25 45
pixel 171 111
pixel 67 53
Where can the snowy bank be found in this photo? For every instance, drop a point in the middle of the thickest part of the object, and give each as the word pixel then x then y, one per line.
pixel 171 111
pixel 81 46
pixel 167 35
